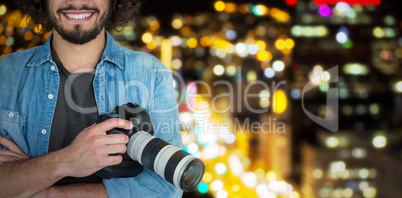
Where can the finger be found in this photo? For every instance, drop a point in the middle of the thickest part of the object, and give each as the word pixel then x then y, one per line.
pixel 113 123
pixel 10 145
pixel 113 160
pixel 111 139
pixel 12 153
pixel 116 139
pixel 111 149
pixel 6 158
pixel 10 158
pixel 116 149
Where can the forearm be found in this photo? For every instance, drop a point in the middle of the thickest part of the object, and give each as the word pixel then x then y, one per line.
pixel 89 152
pixel 28 177
pixel 79 190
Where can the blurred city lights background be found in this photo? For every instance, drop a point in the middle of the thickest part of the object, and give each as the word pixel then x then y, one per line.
pixel 293 41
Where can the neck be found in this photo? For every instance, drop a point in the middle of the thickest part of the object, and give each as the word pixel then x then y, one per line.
pixel 79 58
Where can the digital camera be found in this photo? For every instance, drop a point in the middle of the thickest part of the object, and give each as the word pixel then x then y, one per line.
pixel 175 165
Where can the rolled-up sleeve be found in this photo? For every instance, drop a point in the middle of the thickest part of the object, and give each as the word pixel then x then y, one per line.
pixel 165 118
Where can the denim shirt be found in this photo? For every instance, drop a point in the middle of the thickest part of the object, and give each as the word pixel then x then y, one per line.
pixel 29 83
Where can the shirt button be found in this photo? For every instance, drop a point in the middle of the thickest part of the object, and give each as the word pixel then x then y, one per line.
pixel 52 68
pixel 11 114
pixel 43 131
pixel 50 96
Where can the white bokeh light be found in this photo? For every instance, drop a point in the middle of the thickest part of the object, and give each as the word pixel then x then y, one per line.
pixel 341 37
pixel 278 66
pixel 219 70
pixel 220 168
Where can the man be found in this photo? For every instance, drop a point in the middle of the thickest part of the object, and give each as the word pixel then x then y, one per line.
pixel 51 95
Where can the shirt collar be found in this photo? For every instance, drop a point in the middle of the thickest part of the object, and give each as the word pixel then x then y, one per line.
pixel 111 53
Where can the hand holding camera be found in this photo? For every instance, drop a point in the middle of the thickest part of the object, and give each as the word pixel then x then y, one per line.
pixel 90 151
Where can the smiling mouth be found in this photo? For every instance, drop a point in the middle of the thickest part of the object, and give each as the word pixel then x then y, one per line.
pixel 78 16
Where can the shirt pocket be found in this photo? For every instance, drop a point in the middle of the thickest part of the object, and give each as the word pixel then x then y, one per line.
pixel 13 127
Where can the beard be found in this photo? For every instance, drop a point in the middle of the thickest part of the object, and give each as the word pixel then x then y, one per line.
pixel 77 35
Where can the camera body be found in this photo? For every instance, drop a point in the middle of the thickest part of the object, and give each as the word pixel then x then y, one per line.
pixel 142 122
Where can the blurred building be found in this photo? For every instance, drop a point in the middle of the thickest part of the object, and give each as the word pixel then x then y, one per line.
pixel 363 42
pixel 344 167
pixel 361 38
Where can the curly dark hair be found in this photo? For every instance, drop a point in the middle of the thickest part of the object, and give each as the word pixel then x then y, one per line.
pixel 122 12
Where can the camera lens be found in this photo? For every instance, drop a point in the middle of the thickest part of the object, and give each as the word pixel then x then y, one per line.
pixel 175 165
pixel 191 176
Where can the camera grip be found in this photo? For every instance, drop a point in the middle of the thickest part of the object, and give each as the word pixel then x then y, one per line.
pixel 128 167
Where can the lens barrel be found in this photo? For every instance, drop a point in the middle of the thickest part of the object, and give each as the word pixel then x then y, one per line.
pixel 175 165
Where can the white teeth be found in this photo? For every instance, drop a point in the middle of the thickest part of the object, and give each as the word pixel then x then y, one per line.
pixel 79 16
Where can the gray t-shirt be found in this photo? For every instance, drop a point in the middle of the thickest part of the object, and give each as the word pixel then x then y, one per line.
pixel 67 122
